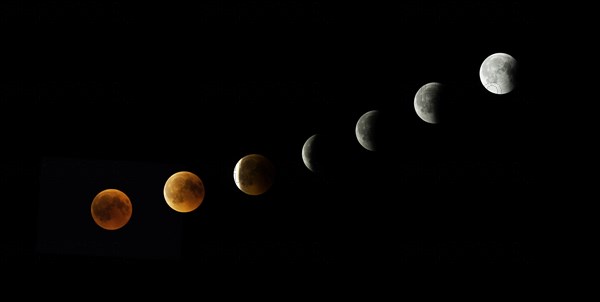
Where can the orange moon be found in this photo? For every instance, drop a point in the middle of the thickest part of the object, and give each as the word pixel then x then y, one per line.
pixel 111 209
pixel 253 174
pixel 184 191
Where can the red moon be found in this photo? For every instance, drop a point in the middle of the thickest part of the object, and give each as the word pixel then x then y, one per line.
pixel 184 191
pixel 111 209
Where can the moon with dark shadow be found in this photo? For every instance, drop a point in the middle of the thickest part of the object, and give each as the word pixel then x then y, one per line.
pixel 254 174
pixel 367 130
pixel 310 153
pixel 184 191
pixel 428 102
pixel 321 154
pixel 111 209
pixel 498 73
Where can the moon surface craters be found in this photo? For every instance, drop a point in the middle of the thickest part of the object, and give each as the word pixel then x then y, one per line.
pixel 498 73
pixel 184 191
pixel 111 209
pixel 427 102
pixel 253 174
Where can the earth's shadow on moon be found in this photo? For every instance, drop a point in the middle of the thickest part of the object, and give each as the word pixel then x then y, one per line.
pixel 326 155
pixel 378 131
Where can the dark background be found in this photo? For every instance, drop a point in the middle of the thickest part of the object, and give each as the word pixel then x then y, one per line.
pixel 110 94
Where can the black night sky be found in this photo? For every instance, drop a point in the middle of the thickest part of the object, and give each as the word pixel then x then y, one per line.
pixel 113 95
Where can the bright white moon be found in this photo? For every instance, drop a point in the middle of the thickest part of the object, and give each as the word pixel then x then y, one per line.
pixel 498 73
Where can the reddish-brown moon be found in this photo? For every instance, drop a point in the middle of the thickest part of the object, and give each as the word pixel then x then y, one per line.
pixel 254 174
pixel 111 209
pixel 184 191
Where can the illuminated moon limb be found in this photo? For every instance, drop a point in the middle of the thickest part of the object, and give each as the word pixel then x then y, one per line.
pixel 366 130
pixel 427 102
pixel 254 174
pixel 307 153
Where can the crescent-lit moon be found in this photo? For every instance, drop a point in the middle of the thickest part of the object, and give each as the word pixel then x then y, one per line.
pixel 184 191
pixel 308 156
pixel 254 174
pixel 366 130
pixel 498 73
pixel 111 209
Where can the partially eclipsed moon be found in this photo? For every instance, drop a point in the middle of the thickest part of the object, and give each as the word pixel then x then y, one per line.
pixel 253 174
pixel 111 209
pixel 498 73
pixel 184 191
pixel 308 153
pixel 321 154
pixel 366 130
pixel 428 102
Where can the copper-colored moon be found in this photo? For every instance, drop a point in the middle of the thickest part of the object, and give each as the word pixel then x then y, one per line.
pixel 111 209
pixel 184 191
pixel 253 174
